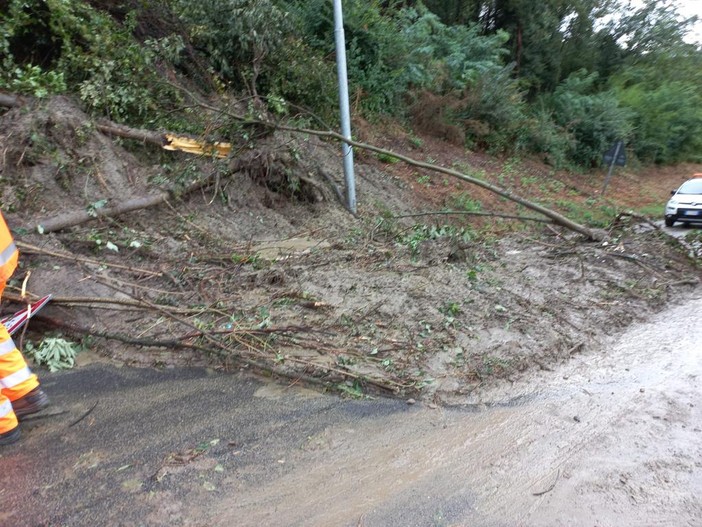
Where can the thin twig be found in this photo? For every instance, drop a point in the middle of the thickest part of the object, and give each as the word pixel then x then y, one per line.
pixel 88 301
pixel 685 281
pixel 637 262
pixel 33 249
pixel 136 286
pixel 576 347
pixel 335 189
pixel 558 475
pixel 86 414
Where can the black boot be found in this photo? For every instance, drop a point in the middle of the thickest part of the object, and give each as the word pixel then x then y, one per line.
pixel 10 437
pixel 33 402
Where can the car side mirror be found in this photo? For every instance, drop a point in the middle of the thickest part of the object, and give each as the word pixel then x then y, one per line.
pixel 672 192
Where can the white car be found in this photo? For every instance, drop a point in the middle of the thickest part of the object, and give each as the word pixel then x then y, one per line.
pixel 685 205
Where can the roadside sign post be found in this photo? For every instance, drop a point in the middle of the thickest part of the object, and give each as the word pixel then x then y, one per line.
pixel 616 155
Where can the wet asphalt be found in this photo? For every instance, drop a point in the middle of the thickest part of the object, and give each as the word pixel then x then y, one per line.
pixel 612 437
pixel 115 440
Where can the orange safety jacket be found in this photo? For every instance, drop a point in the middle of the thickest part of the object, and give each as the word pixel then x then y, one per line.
pixel 16 379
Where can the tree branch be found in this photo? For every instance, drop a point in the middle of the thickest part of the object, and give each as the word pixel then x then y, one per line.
pixel 466 213
pixel 72 219
pixel 32 249
pixel 145 136
pixel 557 218
pixel 10 101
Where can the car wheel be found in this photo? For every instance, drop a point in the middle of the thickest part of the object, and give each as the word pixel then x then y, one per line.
pixel 669 222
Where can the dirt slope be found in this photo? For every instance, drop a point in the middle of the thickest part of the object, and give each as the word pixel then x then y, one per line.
pixel 264 269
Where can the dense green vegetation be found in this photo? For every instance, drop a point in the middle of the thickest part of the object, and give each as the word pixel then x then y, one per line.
pixel 558 78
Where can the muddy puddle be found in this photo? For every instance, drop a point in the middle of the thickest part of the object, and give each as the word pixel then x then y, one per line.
pixel 611 438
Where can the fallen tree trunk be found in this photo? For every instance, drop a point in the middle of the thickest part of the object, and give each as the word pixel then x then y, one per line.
pixel 9 101
pixel 557 218
pixel 72 219
pixel 163 140
pixel 167 141
pixel 145 136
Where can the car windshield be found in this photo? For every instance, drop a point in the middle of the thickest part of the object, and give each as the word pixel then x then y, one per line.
pixel 694 186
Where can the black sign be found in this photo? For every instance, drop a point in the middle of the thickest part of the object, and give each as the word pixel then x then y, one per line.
pixel 616 153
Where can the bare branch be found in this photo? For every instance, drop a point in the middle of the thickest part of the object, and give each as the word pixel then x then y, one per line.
pixel 466 213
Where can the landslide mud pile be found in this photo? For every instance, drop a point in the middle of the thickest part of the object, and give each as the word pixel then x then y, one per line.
pixel 262 268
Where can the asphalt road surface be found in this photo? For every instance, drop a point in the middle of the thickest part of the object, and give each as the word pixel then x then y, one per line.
pixel 679 230
pixel 611 438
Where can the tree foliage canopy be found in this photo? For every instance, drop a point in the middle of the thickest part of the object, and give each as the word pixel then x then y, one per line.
pixel 563 78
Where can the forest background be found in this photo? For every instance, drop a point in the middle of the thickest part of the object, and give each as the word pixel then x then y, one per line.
pixel 560 79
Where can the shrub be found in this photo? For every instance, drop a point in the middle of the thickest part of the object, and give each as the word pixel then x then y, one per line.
pixel 238 37
pixel 376 52
pixel 442 58
pixel 543 136
pixel 668 120
pixel 593 120
pixel 27 78
pixel 301 76
pixel 466 70
pixel 53 45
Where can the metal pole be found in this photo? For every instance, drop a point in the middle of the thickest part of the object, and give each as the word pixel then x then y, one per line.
pixel 344 105
pixel 611 167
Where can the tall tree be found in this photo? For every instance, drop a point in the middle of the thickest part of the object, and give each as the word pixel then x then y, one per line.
pixel 655 27
pixel 456 12
pixel 660 79
pixel 548 40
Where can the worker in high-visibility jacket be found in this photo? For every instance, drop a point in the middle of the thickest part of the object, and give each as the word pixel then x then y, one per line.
pixel 20 394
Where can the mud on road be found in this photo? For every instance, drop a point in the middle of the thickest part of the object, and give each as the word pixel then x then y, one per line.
pixel 611 438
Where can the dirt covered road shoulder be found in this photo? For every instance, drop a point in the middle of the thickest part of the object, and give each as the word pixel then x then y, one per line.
pixel 260 268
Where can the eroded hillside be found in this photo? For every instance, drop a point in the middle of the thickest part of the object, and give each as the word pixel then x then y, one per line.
pixel 262 268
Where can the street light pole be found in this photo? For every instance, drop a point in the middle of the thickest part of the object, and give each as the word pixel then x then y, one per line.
pixel 346 149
